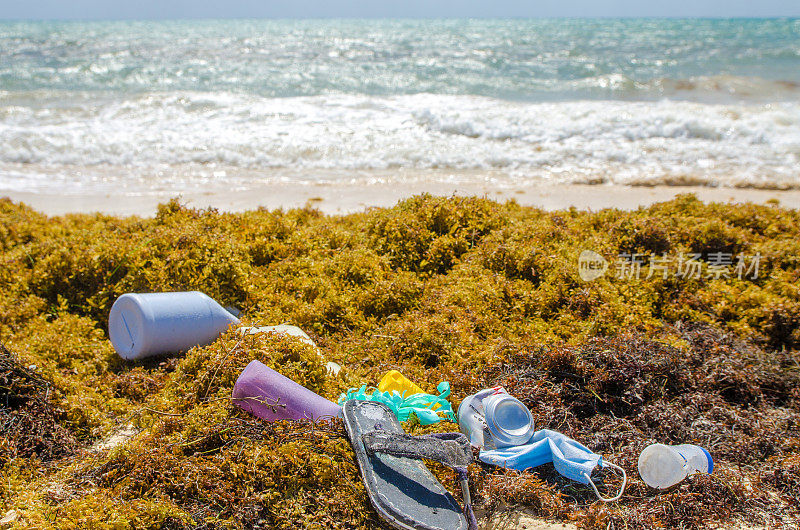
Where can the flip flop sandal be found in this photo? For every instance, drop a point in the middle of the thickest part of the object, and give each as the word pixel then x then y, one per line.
pixel 400 487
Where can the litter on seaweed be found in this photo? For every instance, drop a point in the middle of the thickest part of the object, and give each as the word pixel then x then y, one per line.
pixel 269 395
pixel 141 325
pixel 492 418
pixel 145 324
pixel 293 331
pixel 400 487
pixel 427 408
pixel 571 459
pixel 454 289
pixel 502 427
pixel 394 381
pixel 662 466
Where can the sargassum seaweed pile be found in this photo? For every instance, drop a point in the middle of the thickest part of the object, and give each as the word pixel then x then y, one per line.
pixel 464 290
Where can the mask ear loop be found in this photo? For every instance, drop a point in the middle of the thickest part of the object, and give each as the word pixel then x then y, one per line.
pixel 621 489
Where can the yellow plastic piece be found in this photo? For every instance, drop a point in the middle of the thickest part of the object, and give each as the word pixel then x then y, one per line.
pixel 394 380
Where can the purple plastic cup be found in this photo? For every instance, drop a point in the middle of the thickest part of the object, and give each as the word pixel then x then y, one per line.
pixel 265 393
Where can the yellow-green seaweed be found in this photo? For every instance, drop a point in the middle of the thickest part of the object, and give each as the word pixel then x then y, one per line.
pixel 466 290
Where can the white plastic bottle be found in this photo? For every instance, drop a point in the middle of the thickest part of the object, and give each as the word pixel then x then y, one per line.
pixel 662 466
pixel 144 324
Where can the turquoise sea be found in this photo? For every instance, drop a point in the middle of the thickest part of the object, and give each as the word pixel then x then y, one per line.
pixel 136 106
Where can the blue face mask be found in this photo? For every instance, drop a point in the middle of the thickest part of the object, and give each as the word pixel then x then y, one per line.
pixel 571 459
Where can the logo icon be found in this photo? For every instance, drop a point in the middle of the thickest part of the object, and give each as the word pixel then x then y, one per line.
pixel 591 265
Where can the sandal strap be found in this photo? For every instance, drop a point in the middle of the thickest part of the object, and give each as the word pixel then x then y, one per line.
pixel 450 449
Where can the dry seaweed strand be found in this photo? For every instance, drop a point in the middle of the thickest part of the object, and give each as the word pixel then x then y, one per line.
pixel 30 426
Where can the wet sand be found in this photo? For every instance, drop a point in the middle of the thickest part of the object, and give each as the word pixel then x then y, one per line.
pixel 349 198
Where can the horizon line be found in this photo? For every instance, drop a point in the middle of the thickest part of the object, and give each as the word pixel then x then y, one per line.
pixel 331 18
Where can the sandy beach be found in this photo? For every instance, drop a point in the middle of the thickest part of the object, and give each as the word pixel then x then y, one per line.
pixel 351 198
pixel 604 228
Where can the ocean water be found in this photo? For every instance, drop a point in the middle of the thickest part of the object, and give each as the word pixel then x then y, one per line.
pixel 141 107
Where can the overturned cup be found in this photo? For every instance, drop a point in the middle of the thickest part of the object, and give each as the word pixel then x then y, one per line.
pixel 662 466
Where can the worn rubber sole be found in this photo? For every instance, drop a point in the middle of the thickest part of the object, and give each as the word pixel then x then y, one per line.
pixel 402 490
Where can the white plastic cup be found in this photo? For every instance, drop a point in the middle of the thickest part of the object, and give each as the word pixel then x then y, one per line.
pixel 662 466
pixel 332 367
pixel 145 324
pixel 493 419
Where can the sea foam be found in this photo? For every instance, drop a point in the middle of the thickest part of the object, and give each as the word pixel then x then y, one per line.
pixel 575 141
